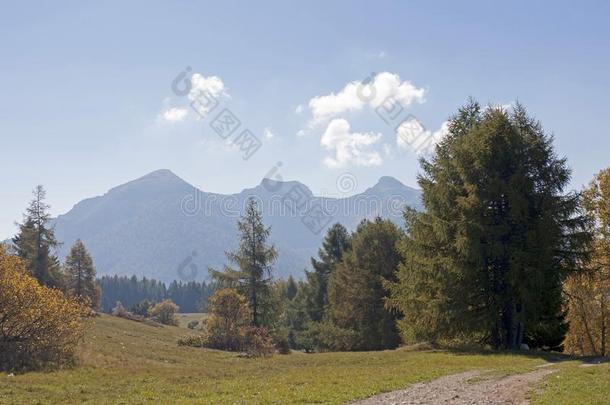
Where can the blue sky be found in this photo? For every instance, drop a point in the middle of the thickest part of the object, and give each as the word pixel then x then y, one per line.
pixel 86 87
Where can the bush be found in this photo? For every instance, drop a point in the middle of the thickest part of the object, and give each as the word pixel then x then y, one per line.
pixel 142 308
pixel 165 313
pixel 281 340
pixel 325 336
pixel 257 342
pixel 229 313
pixel 39 326
pixel 119 310
pixel 192 324
pixel 194 341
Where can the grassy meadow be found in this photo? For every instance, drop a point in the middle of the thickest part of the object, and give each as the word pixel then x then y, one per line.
pixel 129 362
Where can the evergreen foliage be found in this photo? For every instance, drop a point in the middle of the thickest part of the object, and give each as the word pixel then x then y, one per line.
pixel 80 275
pixel 487 258
pixel 357 286
pixel 35 242
pixel 190 297
pixel 336 242
pixel 254 259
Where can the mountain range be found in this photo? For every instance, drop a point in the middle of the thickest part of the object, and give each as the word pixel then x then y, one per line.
pixel 160 226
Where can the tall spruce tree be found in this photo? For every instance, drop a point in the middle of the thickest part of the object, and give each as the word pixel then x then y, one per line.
pixel 487 258
pixel 336 242
pixel 254 260
pixel 291 288
pixel 356 288
pixel 36 241
pixel 80 274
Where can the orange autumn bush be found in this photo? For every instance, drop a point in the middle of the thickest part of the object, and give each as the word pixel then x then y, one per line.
pixel 39 326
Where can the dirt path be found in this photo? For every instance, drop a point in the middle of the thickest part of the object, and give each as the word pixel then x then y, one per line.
pixel 457 389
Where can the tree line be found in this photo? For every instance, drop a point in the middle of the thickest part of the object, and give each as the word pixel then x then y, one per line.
pixel 502 255
pixel 191 296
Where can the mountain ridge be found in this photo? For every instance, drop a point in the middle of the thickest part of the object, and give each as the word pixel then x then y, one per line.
pixel 149 226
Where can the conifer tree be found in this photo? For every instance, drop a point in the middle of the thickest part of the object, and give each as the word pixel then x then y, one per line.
pixel 80 275
pixel 336 242
pixel 357 291
pixel 254 259
pixel 487 258
pixel 291 288
pixel 36 241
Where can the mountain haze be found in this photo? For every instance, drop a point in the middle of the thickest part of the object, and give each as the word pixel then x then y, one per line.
pixel 162 227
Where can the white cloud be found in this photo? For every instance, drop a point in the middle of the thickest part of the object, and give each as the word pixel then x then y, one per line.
pixel 358 94
pixel 174 114
pixel 206 92
pixel 381 55
pixel 211 84
pixel 349 147
pixel 412 135
pixel 299 109
pixel 268 133
pixel 204 95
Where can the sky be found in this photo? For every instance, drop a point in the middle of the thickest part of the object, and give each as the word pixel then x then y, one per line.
pixel 93 93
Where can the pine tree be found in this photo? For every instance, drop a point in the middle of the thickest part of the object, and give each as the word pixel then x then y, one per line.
pixel 357 291
pixel 291 288
pixel 488 257
pixel 80 274
pixel 336 242
pixel 254 260
pixel 36 240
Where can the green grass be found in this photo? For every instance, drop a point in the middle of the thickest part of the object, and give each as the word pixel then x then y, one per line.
pixel 574 384
pixel 130 362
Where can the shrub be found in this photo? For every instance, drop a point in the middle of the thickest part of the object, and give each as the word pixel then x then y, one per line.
pixel 119 310
pixel 192 324
pixel 257 342
pixel 142 307
pixel 165 313
pixel 281 340
pixel 39 326
pixel 194 341
pixel 229 313
pixel 325 336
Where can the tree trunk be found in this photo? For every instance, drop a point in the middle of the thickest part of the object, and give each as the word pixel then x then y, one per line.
pixel 603 325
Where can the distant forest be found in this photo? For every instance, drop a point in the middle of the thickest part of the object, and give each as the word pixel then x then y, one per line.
pixel 190 297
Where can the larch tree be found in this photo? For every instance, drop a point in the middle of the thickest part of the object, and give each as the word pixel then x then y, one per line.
pixel 80 275
pixel 487 258
pixel 36 241
pixel 588 292
pixel 254 259
pixel 357 291
pixel 336 242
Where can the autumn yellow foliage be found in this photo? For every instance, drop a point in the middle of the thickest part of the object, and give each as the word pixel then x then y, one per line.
pixel 165 313
pixel 229 314
pixel 588 292
pixel 39 326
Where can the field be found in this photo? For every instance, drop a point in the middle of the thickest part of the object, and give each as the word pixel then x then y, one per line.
pixel 184 319
pixel 128 362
